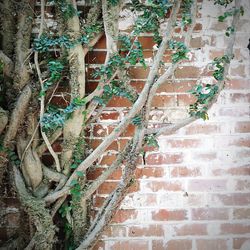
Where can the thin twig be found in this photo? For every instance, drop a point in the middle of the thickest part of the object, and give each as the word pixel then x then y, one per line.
pixel 45 138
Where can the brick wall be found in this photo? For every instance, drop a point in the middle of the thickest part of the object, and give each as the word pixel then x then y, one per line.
pixel 193 192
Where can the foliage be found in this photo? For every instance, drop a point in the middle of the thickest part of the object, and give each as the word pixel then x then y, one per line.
pixel 186 14
pixel 47 42
pixel 230 12
pixel 180 49
pixel 151 140
pixel 204 95
pixel 223 2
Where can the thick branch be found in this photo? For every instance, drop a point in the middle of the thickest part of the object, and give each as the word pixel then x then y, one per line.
pixel 17 115
pixel 44 237
pixel 8 64
pixel 112 203
pixel 25 20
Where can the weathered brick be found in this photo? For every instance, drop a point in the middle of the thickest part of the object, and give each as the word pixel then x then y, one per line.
pixel 168 215
pixel 187 72
pixel 242 127
pixel 158 159
pixel 122 215
pixel 207 185
pixel 238 242
pixel 149 231
pixel 130 245
pixel 185 172
pixel 191 229
pixel 210 214
pixel 231 199
pixel 235 228
pixel 155 186
pixel 208 244
pixel 179 244
pixel 241 213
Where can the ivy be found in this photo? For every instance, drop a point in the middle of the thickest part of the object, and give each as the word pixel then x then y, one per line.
pixel 45 42
pixel 204 95
pixel 137 120
pixel 186 12
pixel 152 12
pixel 231 12
pixel 55 117
pixel 219 64
pixel 67 9
pixel 151 140
pixel 223 2
pixel 229 31
pixel 181 51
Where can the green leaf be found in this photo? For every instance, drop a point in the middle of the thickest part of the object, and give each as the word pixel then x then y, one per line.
pixel 79 173
pixel 73 182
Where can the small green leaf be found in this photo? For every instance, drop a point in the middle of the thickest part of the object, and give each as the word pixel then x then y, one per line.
pixel 79 173
pixel 73 182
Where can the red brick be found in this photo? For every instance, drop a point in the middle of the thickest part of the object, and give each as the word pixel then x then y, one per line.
pixel 109 116
pixel 115 231
pixel 138 85
pixel 185 172
pixel 163 101
pixel 210 214
pixel 198 27
pixel 232 199
pixel 158 159
pixel 185 99
pixel 99 131
pixel 61 102
pixel 122 144
pixel 208 244
pixel 123 215
pixel 238 242
pixel 148 172
pixel 167 215
pixel 95 57
pixel 94 173
pixel 183 86
pixel 207 185
pixel 158 245
pixel 130 130
pixel 230 228
pixel 237 84
pixel 242 127
pixel 118 101
pixel 107 187
pixel 179 244
pixel 156 186
pixel 100 245
pixel 172 245
pixel 108 159
pixel 101 44
pixel 197 42
pixel 98 201
pixel 241 213
pixel 147 42
pixel 138 73
pixel 130 245
pixel 187 72
pixel 191 229
pixel 151 230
